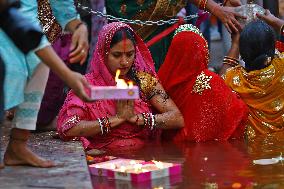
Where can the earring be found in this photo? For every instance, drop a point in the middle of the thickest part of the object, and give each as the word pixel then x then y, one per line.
pixel 268 60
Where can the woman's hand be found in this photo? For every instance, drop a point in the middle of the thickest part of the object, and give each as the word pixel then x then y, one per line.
pixel 125 109
pixel 136 120
pixel 78 83
pixel 270 19
pixel 228 16
pixel 233 3
pixel 80 45
pixel 73 79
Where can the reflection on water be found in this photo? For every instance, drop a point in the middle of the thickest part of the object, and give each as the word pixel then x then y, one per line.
pixel 210 165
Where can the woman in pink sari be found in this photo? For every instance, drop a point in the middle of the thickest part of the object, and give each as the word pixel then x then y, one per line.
pixel 110 124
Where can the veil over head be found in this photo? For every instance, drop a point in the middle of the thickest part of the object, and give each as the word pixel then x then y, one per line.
pixel 210 109
pixel 101 76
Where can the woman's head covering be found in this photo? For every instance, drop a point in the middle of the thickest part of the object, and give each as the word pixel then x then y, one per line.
pixel 210 109
pixel 100 76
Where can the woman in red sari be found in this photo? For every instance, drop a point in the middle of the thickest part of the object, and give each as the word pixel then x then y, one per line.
pixel 110 124
pixel 210 109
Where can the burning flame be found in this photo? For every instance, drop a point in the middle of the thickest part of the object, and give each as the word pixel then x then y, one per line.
pixel 132 162
pixel 120 83
pixel 159 164
pixel 113 166
pixel 122 168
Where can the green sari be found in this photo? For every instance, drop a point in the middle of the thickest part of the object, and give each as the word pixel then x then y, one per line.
pixel 148 10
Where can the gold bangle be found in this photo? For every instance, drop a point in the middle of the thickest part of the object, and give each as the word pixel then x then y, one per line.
pixel 231 63
pixel 228 63
pixel 204 4
pixel 231 58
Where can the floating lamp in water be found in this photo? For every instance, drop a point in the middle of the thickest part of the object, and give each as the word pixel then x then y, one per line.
pixel 268 161
pixel 135 170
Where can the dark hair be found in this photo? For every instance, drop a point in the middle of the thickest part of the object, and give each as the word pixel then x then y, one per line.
pixel 257 43
pixel 123 33
pixel 126 33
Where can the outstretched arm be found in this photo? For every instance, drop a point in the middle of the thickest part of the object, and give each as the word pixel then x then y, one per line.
pixel 233 53
pixel 225 14
pixel 74 80
pixel 272 20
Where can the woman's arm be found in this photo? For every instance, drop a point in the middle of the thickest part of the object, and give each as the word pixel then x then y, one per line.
pixel 74 80
pixel 225 14
pixel 169 116
pixel 67 16
pixel 91 128
pixel 79 45
pixel 124 110
pixel 272 20
pixel 233 53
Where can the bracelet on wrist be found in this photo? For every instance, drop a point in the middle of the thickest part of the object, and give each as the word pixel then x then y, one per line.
pixel 78 25
pixel 202 4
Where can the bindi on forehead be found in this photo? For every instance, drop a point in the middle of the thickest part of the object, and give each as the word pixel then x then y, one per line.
pixel 123 46
pixel 124 41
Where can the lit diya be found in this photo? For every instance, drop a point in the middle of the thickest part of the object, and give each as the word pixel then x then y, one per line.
pixel 135 170
pixel 122 90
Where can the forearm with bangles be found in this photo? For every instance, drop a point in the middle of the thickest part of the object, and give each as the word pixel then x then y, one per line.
pixel 91 128
pixel 167 120
pixel 209 5
pixel 73 25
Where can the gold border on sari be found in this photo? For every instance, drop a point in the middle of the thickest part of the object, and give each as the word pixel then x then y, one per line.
pixel 159 11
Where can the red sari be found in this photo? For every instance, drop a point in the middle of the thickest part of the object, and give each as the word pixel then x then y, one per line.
pixel 211 110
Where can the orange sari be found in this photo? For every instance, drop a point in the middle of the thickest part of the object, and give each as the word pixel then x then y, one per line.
pixel 263 92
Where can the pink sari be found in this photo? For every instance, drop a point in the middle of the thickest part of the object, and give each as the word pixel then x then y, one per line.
pixel 125 135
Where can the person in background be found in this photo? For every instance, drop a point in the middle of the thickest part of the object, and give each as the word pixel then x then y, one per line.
pixel 260 82
pixel 25 35
pixel 210 109
pixel 155 10
pixel 26 76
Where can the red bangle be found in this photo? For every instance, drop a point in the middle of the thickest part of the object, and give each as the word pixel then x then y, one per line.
pixel 137 119
pixel 280 46
pixel 202 4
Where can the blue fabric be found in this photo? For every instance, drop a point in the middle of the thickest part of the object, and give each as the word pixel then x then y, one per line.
pixel 30 110
pixel 20 67
pixel 2 72
pixel 64 11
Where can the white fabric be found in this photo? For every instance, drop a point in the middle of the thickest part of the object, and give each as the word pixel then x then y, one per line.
pixel 26 113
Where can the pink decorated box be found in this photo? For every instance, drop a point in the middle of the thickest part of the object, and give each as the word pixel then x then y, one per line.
pixel 135 170
pixel 113 92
